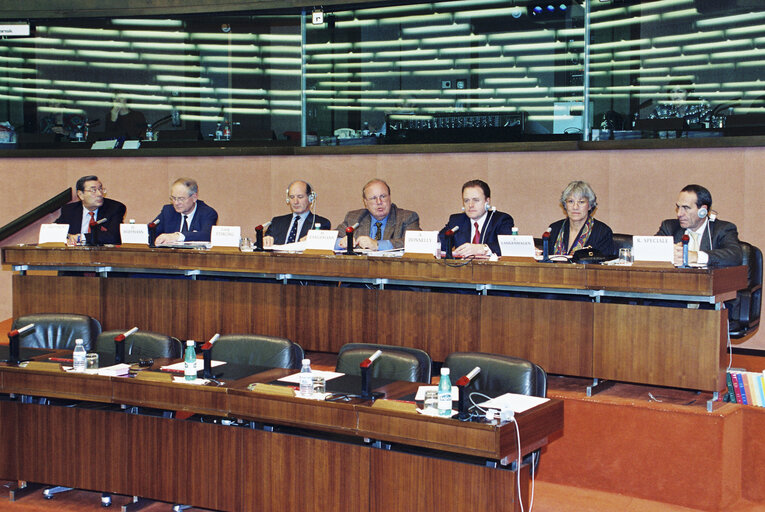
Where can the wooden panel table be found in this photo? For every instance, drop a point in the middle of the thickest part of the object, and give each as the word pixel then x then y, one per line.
pixel 570 319
pixel 316 454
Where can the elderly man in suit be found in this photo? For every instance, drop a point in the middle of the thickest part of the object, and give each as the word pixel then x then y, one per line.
pixel 382 224
pixel 294 226
pixel 187 218
pixel 712 242
pixel 93 208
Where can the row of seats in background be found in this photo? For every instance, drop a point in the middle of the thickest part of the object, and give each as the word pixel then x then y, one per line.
pixel 498 373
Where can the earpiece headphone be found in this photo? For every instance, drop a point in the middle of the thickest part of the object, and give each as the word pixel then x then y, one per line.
pixel 702 212
pixel 308 189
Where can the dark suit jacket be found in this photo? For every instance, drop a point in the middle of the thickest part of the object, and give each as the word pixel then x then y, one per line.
pixel 601 237
pixel 399 220
pixel 497 223
pixel 724 251
pixel 201 225
pixel 280 227
pixel 109 233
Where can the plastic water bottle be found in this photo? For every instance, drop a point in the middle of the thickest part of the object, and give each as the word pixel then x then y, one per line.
pixel 445 394
pixel 515 231
pixel 78 356
pixel 190 361
pixel 306 379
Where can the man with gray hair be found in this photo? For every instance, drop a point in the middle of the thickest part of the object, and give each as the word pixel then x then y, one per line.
pixel 186 218
pixel 382 224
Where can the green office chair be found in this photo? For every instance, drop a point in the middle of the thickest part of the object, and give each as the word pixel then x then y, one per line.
pixel 57 330
pixel 140 345
pixel 258 350
pixel 395 363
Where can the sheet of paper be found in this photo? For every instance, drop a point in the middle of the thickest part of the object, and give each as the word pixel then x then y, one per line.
pixel 293 247
pixel 225 236
pixel 178 367
pixel 187 245
pixel 514 402
pixel 295 377
pixel 422 389
pixel 134 233
pixel 321 239
pixel 517 245
pixel 196 382
pixel 653 248
pixel 421 242
pixel 53 233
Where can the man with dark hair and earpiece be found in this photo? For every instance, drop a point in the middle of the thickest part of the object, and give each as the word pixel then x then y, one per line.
pixel 294 226
pixel 479 224
pixel 712 242
pixel 92 206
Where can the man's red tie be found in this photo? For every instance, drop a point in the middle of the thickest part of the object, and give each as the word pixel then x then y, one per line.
pixel 91 221
pixel 477 236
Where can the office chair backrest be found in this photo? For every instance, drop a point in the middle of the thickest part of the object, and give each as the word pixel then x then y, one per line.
pixel 622 241
pixel 744 310
pixel 57 330
pixel 499 374
pixel 257 350
pixel 142 344
pixel 395 363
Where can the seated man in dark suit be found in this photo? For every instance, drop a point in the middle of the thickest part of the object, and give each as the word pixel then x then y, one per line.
pixel 187 218
pixel 381 223
pixel 479 224
pixel 712 242
pixel 293 227
pixel 93 206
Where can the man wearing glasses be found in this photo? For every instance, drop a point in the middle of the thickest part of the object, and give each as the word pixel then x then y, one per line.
pixel 92 211
pixel 186 219
pixel 381 223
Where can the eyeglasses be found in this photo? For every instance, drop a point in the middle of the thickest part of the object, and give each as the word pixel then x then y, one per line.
pixel 380 198
pixel 174 199
pixel 93 190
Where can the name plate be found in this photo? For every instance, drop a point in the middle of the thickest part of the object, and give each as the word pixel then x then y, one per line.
pixel 422 242
pixel 225 236
pixel 53 233
pixel 134 233
pixel 321 240
pixel 653 248
pixel 521 246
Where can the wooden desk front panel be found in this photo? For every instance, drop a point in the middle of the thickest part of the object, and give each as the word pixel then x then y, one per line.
pixel 402 481
pixel 54 294
pixel 56 384
pixel 9 432
pixel 171 396
pixel 660 346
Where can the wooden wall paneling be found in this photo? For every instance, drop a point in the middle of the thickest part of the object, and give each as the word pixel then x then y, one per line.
pixel 555 334
pixel 402 481
pixel 152 304
pixel 286 472
pixel 659 345
pixel 192 470
pixel 244 307
pixel 402 319
pixel 9 430
pixel 72 446
pixel 325 318
pixel 57 294
pixel 451 324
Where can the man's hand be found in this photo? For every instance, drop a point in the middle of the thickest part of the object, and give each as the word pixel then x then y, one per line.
pixel 366 242
pixel 167 238
pixel 467 250
pixel 693 256
pixel 268 241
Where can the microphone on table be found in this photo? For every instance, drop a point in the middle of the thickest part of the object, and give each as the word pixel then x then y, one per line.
pixel 94 226
pixel 207 357
pixel 153 231
pixel 450 241
pixel 462 384
pixel 349 239
pixel 13 343
pixel 546 246
pixel 365 365
pixel 685 239
pixel 259 229
pixel 119 345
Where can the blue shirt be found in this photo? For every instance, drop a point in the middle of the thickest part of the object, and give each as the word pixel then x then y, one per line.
pixel 382 245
